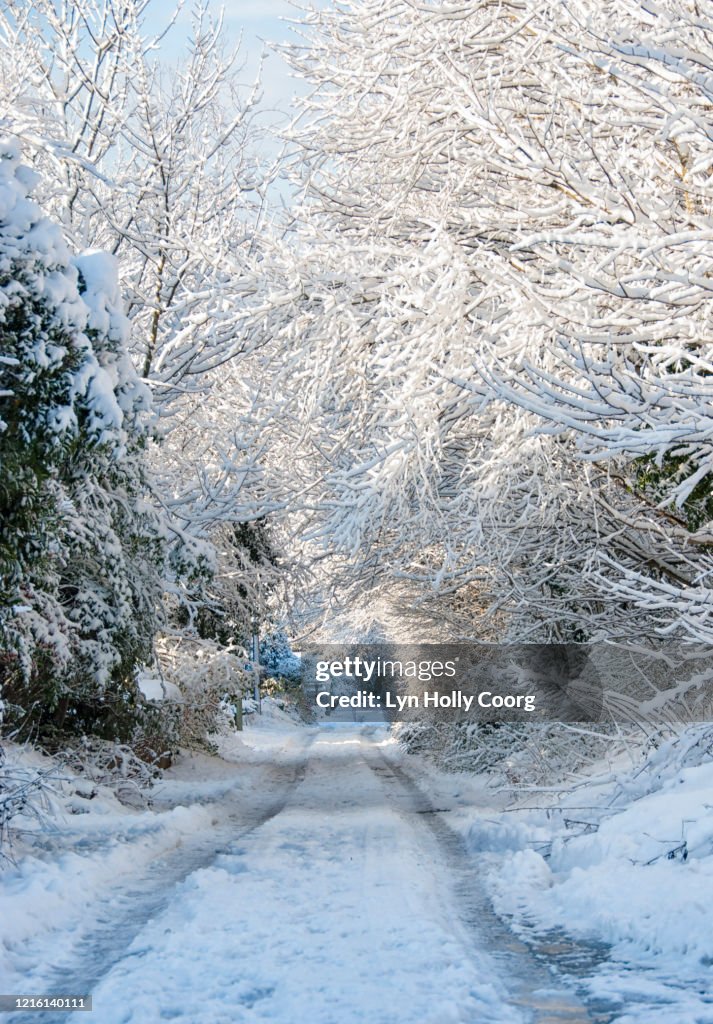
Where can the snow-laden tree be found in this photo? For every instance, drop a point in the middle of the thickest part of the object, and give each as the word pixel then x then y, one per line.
pixel 156 164
pixel 625 378
pixel 156 161
pixel 401 263
pixel 501 305
pixel 83 551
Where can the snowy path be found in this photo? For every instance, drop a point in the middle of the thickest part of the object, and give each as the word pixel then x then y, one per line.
pixel 336 896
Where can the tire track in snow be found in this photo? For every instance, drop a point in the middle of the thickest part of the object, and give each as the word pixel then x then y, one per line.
pixel 542 984
pixel 122 914
pixel 527 982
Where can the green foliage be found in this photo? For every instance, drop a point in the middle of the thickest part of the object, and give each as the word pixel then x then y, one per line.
pixel 81 551
pixel 656 479
pixel 31 452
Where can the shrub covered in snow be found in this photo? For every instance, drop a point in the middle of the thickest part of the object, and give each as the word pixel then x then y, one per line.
pixel 115 765
pixel 278 658
pixel 516 754
pixel 25 793
pixel 210 679
pixel 82 549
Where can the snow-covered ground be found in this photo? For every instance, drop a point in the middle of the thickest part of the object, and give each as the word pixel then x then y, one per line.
pixel 319 875
pixel 318 902
pixel 625 860
pixel 611 881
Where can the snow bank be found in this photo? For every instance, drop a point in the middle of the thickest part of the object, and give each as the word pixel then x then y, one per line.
pixel 614 870
pixel 631 866
pixel 643 881
pixel 66 867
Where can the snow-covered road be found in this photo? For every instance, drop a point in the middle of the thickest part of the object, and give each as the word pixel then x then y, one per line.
pixel 330 892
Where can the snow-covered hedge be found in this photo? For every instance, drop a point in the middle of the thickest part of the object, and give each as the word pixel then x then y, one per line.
pixel 82 549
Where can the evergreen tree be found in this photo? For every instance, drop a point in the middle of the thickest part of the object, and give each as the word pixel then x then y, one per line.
pixel 81 550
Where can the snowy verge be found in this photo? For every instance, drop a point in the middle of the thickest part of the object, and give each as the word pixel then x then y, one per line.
pixel 60 867
pixel 621 862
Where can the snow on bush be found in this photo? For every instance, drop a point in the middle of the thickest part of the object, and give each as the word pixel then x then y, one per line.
pixel 278 658
pixel 210 678
pixel 82 549
pixel 516 754
pixel 25 795
pixel 116 766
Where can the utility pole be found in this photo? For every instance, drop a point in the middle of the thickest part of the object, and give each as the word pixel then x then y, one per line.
pixel 256 660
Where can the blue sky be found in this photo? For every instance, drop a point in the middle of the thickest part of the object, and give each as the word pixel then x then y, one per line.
pixel 259 23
